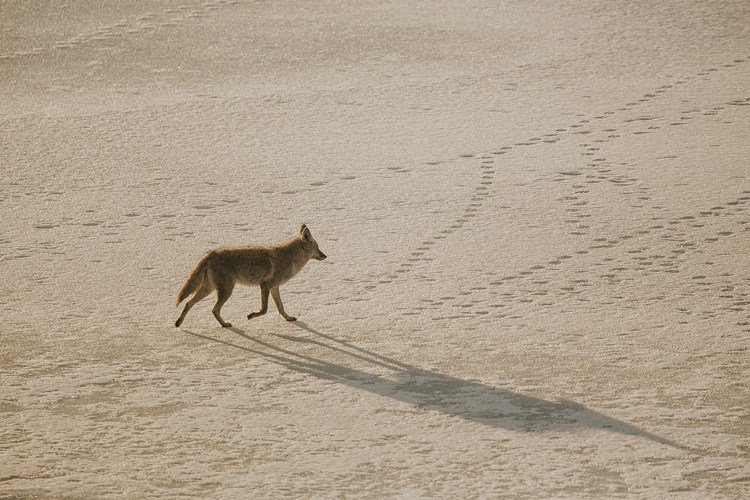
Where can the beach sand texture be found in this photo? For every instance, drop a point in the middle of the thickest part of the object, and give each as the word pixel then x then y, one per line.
pixel 537 215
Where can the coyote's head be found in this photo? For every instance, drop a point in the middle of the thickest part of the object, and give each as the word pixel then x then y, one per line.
pixel 310 244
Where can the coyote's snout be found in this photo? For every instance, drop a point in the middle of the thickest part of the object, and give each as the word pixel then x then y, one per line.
pixel 267 267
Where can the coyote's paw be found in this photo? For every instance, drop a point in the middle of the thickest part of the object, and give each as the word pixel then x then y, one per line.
pixel 226 325
pixel 290 318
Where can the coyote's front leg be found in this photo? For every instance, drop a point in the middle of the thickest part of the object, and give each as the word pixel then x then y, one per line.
pixel 279 305
pixel 263 303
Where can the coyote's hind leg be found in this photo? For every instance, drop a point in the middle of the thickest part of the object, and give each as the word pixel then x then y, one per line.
pixel 200 294
pixel 222 295
pixel 263 303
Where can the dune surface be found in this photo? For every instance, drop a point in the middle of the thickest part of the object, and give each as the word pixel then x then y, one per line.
pixel 536 216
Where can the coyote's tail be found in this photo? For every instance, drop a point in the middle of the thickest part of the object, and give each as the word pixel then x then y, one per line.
pixel 194 280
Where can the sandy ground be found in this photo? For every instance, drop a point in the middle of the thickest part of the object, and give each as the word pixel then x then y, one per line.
pixel 537 218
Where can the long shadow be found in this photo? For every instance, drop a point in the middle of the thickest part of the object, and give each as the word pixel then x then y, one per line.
pixel 474 401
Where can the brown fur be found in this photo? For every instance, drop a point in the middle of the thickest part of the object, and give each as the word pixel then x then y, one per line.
pixel 268 267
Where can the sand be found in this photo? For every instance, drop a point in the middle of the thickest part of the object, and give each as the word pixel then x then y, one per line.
pixel 536 215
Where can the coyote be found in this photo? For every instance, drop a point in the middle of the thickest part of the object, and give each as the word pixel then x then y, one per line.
pixel 268 267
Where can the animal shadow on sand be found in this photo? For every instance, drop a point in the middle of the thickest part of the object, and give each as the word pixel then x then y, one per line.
pixel 470 400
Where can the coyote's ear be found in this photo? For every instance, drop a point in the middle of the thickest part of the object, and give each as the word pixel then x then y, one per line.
pixel 304 233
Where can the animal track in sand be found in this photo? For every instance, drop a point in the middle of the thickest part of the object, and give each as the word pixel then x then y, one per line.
pixel 598 170
pixel 526 289
pixel 487 173
pixel 138 24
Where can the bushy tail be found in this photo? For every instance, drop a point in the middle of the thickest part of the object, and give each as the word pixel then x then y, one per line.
pixel 194 280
